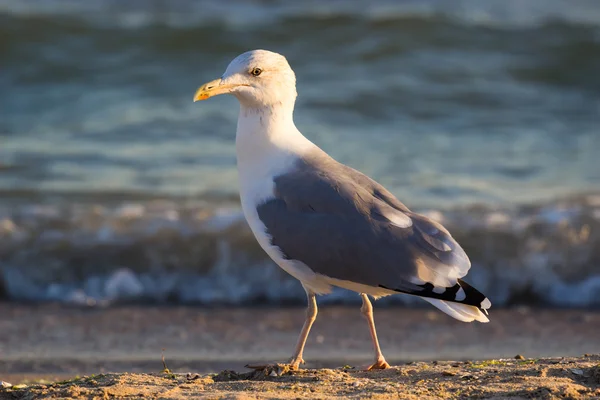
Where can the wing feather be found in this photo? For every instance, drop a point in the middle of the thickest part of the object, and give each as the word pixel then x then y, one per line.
pixel 346 226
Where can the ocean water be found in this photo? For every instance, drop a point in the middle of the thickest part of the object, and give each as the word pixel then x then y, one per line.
pixel 115 186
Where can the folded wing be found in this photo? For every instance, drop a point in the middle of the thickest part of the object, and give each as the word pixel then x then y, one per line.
pixel 345 226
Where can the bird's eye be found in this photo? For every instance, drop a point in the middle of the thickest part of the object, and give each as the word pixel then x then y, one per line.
pixel 256 71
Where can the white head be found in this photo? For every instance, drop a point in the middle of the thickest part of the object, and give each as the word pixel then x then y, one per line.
pixel 258 78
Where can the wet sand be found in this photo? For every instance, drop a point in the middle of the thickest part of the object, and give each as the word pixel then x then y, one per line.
pixel 56 342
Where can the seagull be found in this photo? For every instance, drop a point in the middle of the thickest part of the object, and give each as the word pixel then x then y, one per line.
pixel 325 223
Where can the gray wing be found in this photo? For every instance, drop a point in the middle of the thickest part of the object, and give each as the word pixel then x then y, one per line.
pixel 344 225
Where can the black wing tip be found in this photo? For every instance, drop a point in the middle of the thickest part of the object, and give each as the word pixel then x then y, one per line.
pixel 471 293
pixel 471 296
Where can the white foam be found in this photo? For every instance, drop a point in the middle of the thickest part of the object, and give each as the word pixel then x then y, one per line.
pixel 195 253
pixel 123 283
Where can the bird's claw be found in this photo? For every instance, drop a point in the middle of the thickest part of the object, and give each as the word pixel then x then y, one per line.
pixel 379 364
pixel 294 363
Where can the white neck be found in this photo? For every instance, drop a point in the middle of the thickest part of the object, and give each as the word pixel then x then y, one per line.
pixel 267 141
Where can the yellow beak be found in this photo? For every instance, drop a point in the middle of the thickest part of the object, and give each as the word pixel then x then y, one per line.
pixel 212 88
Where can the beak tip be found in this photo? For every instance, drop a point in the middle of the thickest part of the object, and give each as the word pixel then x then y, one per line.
pixel 208 90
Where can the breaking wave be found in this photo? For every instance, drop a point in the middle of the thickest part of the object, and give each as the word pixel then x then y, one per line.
pixel 169 251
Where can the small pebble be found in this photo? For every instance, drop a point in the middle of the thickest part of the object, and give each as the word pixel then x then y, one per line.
pixel 519 357
pixel 387 388
pixel 577 371
pixel 5 384
pixel 191 377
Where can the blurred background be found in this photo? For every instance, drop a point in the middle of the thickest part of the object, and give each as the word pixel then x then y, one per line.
pixel 115 187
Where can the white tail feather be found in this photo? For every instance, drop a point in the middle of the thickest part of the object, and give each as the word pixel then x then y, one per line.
pixel 461 312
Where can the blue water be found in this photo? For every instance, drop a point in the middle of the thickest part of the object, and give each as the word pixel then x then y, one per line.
pixel 449 105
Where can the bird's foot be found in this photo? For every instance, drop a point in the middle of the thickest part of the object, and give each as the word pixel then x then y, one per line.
pixel 379 364
pixel 294 363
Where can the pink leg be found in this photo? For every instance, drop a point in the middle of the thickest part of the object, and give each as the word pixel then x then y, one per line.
pixel 296 360
pixel 367 311
pixel 311 315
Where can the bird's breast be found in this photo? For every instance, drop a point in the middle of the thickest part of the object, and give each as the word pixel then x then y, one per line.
pixel 256 173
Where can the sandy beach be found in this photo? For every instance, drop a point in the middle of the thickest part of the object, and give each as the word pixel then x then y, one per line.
pixel 558 378
pixel 49 343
